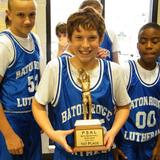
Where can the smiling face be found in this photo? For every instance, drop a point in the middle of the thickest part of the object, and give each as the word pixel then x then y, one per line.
pixel 85 30
pixel 21 14
pixel 85 44
pixel 149 47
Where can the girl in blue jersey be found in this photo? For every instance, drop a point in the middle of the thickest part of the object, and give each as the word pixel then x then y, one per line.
pixel 138 138
pixel 20 137
pixel 60 87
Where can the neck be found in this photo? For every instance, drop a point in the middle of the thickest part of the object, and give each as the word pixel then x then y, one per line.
pixel 147 66
pixel 18 34
pixel 86 66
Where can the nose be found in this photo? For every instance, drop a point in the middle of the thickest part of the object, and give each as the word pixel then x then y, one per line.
pixel 149 44
pixel 85 43
pixel 27 20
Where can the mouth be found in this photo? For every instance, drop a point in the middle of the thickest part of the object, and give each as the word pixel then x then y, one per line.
pixel 85 52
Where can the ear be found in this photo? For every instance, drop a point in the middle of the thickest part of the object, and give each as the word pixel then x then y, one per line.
pixel 101 39
pixel 68 39
pixel 8 14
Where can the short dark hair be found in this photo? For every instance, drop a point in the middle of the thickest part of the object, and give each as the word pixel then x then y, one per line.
pixel 92 3
pixel 61 28
pixel 87 18
pixel 149 25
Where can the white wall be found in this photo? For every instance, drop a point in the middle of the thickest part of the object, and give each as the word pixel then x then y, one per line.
pixel 158 11
pixel 40 29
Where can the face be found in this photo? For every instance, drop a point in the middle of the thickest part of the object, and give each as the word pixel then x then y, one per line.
pixel 62 39
pixel 85 45
pixel 149 47
pixel 22 17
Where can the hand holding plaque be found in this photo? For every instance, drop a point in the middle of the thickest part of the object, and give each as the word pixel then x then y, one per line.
pixel 88 134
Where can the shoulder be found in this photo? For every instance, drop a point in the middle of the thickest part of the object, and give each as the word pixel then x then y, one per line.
pixel 6 43
pixel 125 67
pixel 4 39
pixel 115 66
pixel 36 37
pixel 53 66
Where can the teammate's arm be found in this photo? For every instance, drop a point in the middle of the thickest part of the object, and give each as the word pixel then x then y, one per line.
pixel 13 142
pixel 156 151
pixel 59 136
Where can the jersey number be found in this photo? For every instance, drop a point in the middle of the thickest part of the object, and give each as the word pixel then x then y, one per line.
pixel 145 120
pixel 32 83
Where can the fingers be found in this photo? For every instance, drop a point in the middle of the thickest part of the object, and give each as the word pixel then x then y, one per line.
pixel 121 153
pixel 68 132
pixel 68 148
pixel 108 143
pixel 18 150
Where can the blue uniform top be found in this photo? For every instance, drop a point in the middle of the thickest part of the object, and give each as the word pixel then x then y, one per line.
pixel 68 103
pixel 107 44
pixel 21 77
pixel 143 123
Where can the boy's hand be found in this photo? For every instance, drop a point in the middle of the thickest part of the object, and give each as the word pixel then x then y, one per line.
pixel 156 153
pixel 14 144
pixel 60 137
pixel 109 139
pixel 118 153
pixel 103 53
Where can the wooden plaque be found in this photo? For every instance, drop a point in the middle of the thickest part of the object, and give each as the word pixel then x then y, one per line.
pixel 89 138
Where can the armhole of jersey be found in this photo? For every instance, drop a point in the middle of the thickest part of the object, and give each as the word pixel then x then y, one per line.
pixel 35 42
pixel 55 101
pixel 111 81
pixel 130 74
pixel 14 51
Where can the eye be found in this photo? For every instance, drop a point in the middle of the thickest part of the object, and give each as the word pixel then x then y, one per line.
pixel 78 37
pixel 155 40
pixel 33 14
pixel 22 15
pixel 142 40
pixel 92 38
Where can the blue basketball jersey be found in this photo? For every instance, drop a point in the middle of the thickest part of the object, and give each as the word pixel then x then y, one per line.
pixel 143 123
pixel 68 103
pixel 21 77
pixel 107 44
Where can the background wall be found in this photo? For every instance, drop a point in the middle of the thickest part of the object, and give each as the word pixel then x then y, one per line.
pixel 158 17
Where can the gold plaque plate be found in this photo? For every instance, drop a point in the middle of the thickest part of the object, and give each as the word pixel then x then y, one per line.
pixel 89 138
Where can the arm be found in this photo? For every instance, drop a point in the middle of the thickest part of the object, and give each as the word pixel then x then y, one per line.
pixel 59 136
pixel 122 102
pixel 117 153
pixel 117 125
pixel 115 46
pixel 115 57
pixel 13 141
pixel 156 150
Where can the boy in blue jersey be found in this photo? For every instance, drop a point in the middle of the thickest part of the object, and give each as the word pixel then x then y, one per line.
pixel 110 42
pixel 60 87
pixel 61 33
pixel 19 76
pixel 138 138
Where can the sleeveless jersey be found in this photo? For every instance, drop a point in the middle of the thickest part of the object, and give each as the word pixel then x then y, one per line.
pixel 143 123
pixel 107 44
pixel 68 103
pixel 21 77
